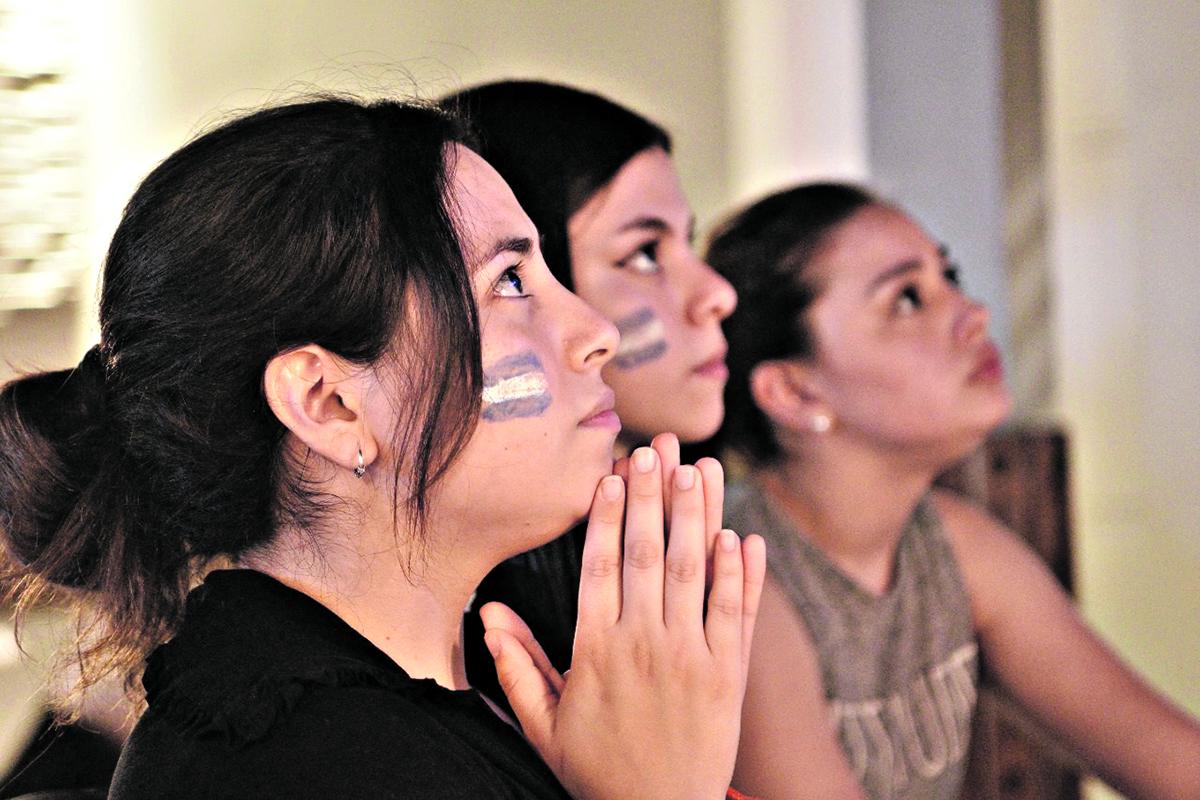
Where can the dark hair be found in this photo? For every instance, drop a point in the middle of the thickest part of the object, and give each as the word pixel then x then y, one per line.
pixel 555 146
pixel 763 251
pixel 315 222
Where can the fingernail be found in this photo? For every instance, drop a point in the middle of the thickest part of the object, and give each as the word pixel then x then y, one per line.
pixel 493 645
pixel 728 540
pixel 643 459
pixel 685 477
pixel 610 487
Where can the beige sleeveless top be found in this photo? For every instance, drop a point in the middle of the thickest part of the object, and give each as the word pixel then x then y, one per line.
pixel 900 670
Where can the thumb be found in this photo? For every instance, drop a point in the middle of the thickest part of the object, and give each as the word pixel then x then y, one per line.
pixel 530 694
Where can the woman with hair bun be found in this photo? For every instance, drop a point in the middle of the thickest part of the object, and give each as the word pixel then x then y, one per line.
pixel 599 182
pixel 336 384
pixel 858 372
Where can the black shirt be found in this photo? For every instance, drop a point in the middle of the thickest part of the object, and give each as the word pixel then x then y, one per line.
pixel 265 693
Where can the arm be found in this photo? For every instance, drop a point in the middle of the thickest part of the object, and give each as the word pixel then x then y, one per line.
pixel 789 749
pixel 1047 657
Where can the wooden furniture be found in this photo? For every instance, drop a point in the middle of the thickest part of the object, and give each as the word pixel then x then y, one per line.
pixel 1020 475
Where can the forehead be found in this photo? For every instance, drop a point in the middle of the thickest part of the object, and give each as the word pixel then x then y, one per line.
pixel 874 238
pixel 647 185
pixel 485 209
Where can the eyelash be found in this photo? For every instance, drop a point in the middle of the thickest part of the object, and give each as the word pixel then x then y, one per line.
pixel 648 251
pixel 912 294
pixel 512 277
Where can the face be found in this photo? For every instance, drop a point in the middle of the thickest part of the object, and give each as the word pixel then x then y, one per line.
pixel 546 429
pixel 632 260
pixel 904 359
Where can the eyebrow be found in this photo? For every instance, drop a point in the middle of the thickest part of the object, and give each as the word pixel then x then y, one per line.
pixel 521 245
pixel 656 225
pixel 903 268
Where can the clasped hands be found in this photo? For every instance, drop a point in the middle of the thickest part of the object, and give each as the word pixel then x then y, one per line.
pixel 651 706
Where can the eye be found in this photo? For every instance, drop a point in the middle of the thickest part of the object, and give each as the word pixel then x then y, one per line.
pixel 509 284
pixel 644 260
pixel 953 275
pixel 909 300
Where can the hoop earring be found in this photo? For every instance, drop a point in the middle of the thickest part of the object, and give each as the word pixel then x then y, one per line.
pixel 821 423
pixel 361 469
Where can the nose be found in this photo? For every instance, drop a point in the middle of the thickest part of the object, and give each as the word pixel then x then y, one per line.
pixel 590 339
pixel 972 321
pixel 712 297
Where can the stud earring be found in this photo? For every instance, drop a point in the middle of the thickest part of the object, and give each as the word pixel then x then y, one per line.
pixel 821 423
pixel 361 469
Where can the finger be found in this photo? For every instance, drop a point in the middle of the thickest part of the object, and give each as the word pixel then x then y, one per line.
pixel 714 507
pixel 667 447
pixel 754 570
pixel 600 573
pixel 621 468
pixel 642 574
pixel 713 475
pixel 497 616
pixel 723 626
pixel 683 601
pixel 528 693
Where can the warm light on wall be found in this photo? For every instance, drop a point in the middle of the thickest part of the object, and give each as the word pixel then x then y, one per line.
pixel 41 263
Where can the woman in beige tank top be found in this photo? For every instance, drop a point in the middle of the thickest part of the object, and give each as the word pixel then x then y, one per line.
pixel 858 371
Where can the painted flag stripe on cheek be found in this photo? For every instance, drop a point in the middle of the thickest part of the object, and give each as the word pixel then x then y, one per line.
pixel 643 339
pixel 515 387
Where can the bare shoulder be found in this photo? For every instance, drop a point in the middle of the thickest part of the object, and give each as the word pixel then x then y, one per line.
pixel 996 563
pixel 976 535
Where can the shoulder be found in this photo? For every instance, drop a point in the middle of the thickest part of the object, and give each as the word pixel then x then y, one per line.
pixel 974 534
pixel 336 741
pixel 996 563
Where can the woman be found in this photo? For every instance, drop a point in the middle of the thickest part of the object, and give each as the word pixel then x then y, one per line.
pixel 599 183
pixel 327 335
pixel 858 373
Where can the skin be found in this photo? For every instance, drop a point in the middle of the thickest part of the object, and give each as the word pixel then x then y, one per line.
pixel 516 484
pixel 905 371
pixel 631 254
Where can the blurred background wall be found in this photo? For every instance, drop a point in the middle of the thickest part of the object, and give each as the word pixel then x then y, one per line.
pixel 1051 144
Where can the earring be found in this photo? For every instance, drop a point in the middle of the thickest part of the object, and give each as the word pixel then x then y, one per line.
pixel 361 469
pixel 821 423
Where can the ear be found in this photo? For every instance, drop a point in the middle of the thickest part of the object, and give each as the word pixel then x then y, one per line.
pixel 319 398
pixel 788 395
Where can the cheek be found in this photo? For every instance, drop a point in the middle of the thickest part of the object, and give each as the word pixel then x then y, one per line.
pixel 643 339
pixel 515 387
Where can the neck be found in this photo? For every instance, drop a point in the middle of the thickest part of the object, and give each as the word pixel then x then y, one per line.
pixel 852 505
pixel 413 615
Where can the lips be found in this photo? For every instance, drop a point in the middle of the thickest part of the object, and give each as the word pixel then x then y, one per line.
pixel 714 367
pixel 989 367
pixel 602 414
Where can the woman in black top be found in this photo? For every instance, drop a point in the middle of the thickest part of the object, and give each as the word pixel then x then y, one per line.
pixel 333 361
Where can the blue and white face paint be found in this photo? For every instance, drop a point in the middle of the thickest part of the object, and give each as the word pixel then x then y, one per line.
pixel 643 339
pixel 515 387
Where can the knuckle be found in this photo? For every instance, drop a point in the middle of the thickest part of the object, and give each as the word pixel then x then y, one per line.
pixel 683 570
pixel 724 606
pixel 601 565
pixel 642 554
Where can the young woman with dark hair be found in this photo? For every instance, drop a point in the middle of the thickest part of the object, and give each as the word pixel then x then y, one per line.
pixel 336 384
pixel 598 181
pixel 858 372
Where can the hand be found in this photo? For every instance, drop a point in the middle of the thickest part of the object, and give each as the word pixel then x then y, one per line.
pixel 651 707
pixel 667 447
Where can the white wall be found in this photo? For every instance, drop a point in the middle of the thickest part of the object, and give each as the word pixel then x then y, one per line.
pixel 1122 82
pixel 161 71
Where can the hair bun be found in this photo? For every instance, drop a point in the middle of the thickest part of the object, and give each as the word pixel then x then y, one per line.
pixel 53 442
